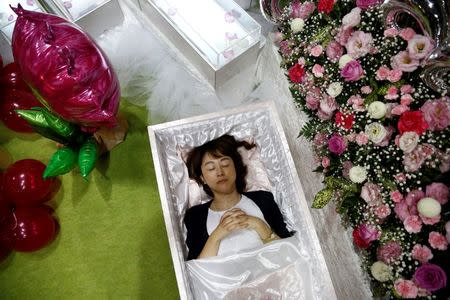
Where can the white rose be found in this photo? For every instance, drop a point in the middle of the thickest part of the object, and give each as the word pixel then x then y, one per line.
pixel 381 272
pixel 376 132
pixel 344 60
pixel 297 25
pixel 334 89
pixel 429 207
pixel 357 174
pixel 377 110
pixel 408 141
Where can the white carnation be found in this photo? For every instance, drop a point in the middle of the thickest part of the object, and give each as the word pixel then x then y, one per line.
pixel 429 207
pixel 357 174
pixel 344 60
pixel 381 272
pixel 377 110
pixel 408 141
pixel 334 89
pixel 376 132
pixel 297 25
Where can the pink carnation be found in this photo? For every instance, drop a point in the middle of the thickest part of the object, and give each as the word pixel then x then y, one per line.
pixel 334 51
pixel 366 90
pixel 437 114
pixel 430 221
pixel 325 162
pixel 316 51
pixel 391 32
pixel 318 70
pixel 421 253
pixel 382 211
pixel 320 139
pixel 396 196
pixel 327 106
pixel 382 73
pixel 438 191
pixel 357 102
pixel 389 252
pixel 361 139
pixel 346 166
pixel 407 33
pixel 406 89
pixel 392 93
pixel 437 241
pixel 371 193
pixel 406 288
pixel 343 35
pixel 394 75
pixel 399 109
pixel 413 224
pixel 406 99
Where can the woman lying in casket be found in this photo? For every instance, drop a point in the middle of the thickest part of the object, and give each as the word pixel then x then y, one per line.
pixel 233 220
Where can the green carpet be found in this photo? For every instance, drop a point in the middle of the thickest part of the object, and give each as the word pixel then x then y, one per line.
pixel 112 243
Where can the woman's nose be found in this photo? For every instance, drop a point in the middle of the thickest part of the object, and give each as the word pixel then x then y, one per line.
pixel 219 171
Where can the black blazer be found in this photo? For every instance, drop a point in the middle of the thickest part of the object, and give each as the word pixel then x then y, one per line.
pixel 196 216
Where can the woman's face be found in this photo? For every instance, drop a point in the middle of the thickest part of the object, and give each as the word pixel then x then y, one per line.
pixel 219 173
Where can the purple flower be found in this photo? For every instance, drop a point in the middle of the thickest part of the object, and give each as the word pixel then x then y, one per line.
pixel 430 277
pixel 337 144
pixel 352 71
pixel 364 4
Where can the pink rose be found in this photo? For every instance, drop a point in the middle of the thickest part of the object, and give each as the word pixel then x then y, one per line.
pixel 361 139
pixel 406 288
pixel 382 73
pixel 421 253
pixel 371 193
pixel 394 75
pixel 325 162
pixel 364 234
pixel 334 51
pixel 404 62
pixel 352 71
pixel 419 46
pixel 318 70
pixel 359 44
pixel 382 211
pixel 437 241
pixel 438 191
pixel 337 144
pixel 389 252
pixel 396 196
pixel 316 51
pixel 365 4
pixel 407 33
pixel 437 113
pixel 413 224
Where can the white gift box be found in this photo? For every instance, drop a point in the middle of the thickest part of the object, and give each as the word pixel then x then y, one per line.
pixel 94 16
pixel 217 36
pixel 310 278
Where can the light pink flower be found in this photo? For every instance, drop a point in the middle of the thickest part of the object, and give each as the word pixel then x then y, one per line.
pixel 421 253
pixel 382 211
pixel 316 51
pixel 318 70
pixel 392 93
pixel 391 32
pixel 346 166
pixel 406 99
pixel 400 177
pixel 320 139
pixel 359 44
pixel 352 71
pixel 350 137
pixel 414 160
pixel 357 102
pixel 285 48
pixel 399 109
pixel 413 224
pixel 353 18
pixel 413 197
pixel 404 62
pixel 401 210
pixel 438 191
pixel 437 114
pixel 406 288
pixel 394 75
pixel 419 46
pixel 334 51
pixel 396 196
pixel 407 33
pixel 303 11
pixel 366 90
pixel 406 89
pixel 437 241
pixel 384 142
pixel 430 221
pixel 382 73
pixel 389 252
pixel 312 101
pixel 371 193
pixel 361 139
pixel 326 107
pixel 325 162
pixel 343 35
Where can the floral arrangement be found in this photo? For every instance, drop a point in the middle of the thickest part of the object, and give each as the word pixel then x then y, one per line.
pixel 380 137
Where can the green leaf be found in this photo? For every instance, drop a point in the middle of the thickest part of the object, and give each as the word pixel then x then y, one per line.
pixel 59 125
pixel 87 156
pixel 33 117
pixel 322 198
pixel 62 161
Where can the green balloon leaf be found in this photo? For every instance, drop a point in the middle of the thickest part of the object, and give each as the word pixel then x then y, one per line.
pixel 322 198
pixel 87 156
pixel 62 161
pixel 59 125
pixel 33 117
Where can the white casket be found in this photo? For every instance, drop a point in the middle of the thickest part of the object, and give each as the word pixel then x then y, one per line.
pixel 291 268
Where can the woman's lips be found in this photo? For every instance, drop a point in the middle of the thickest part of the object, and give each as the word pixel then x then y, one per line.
pixel 221 181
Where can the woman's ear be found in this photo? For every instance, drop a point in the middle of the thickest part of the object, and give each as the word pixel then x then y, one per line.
pixel 202 179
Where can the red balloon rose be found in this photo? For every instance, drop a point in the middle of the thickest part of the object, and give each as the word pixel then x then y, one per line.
pixel 16 99
pixel 10 78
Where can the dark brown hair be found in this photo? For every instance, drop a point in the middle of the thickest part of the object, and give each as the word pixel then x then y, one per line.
pixel 225 145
